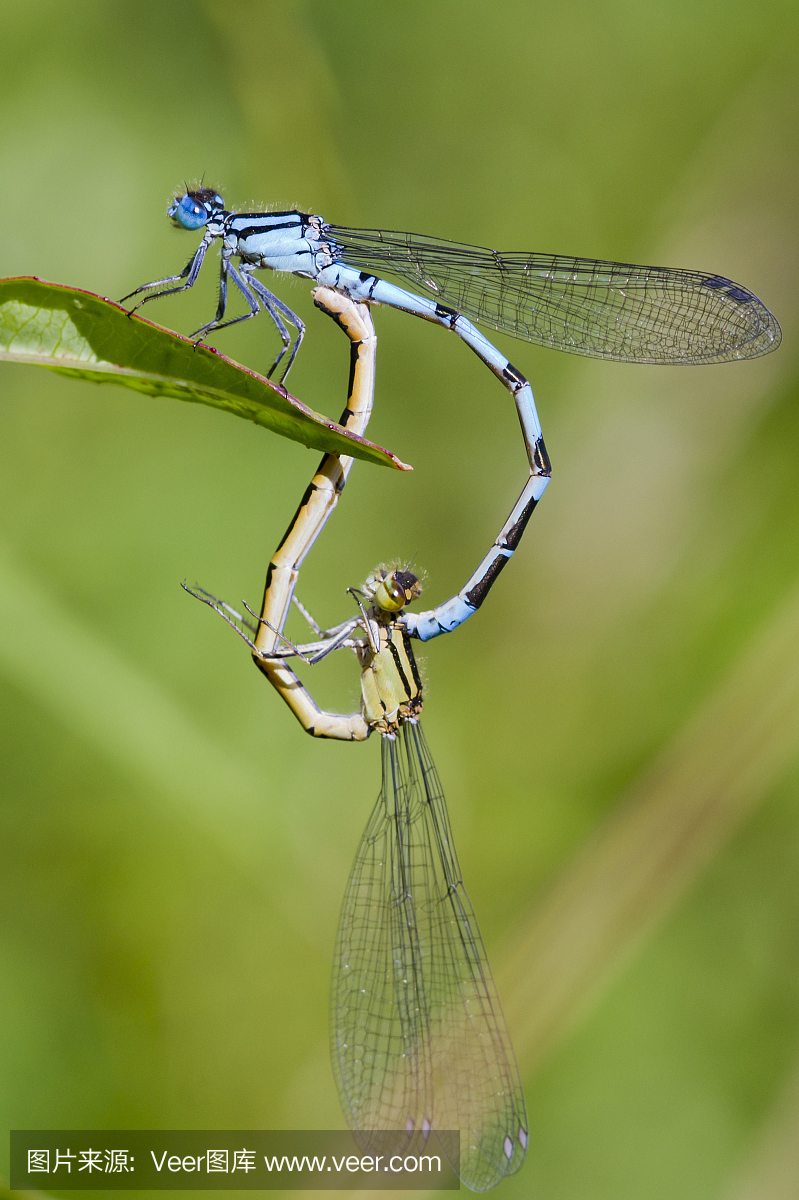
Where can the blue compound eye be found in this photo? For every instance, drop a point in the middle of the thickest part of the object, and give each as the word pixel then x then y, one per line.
pixel 188 213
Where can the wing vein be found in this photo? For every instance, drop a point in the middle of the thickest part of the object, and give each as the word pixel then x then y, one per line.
pixel 602 309
pixel 419 1038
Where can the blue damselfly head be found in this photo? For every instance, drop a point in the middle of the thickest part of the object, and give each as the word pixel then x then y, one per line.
pixel 195 209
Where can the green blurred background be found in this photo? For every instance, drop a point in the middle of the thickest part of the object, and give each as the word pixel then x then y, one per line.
pixel 618 729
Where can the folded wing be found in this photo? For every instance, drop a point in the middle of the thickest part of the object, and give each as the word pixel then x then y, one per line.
pixel 419 1038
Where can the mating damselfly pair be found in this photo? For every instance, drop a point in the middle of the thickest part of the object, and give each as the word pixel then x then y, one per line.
pixel 418 1036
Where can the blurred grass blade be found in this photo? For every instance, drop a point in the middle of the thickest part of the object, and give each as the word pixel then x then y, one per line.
pixel 311 167
pixel 127 717
pixel 771 1170
pixel 82 335
pixel 136 726
pixel 668 829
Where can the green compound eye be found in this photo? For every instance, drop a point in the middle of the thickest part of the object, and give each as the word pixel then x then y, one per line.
pixel 395 590
pixel 389 594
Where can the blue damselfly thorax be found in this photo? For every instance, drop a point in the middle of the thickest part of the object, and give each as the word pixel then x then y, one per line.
pixel 602 309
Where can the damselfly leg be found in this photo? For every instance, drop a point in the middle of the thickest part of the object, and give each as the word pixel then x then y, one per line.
pixel 315 626
pixel 253 291
pixel 191 269
pixel 273 306
pixel 311 653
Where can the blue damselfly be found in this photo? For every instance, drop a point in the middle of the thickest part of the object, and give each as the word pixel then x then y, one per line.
pixel 601 309
pixel 585 306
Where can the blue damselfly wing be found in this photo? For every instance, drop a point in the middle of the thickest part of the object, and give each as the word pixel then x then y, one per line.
pixel 418 1036
pixel 585 306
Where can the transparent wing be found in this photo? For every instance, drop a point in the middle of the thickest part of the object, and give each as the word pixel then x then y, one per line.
pixel 419 1039
pixel 586 306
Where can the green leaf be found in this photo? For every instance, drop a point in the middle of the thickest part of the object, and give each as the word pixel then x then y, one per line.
pixel 85 336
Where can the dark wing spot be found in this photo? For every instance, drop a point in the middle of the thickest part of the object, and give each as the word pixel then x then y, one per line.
pixel 730 289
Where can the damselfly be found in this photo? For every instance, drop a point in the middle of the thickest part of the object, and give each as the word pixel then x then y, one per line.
pixel 419 1040
pixel 603 309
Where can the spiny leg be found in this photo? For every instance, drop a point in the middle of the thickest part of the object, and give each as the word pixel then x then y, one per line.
pixel 226 269
pixel 310 653
pixel 242 280
pixel 369 626
pixel 192 269
pixel 221 306
pixel 313 652
pixel 313 624
pixel 275 305
pixel 236 621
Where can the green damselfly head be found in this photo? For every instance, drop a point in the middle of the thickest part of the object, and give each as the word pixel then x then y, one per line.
pixel 195 209
pixel 390 591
